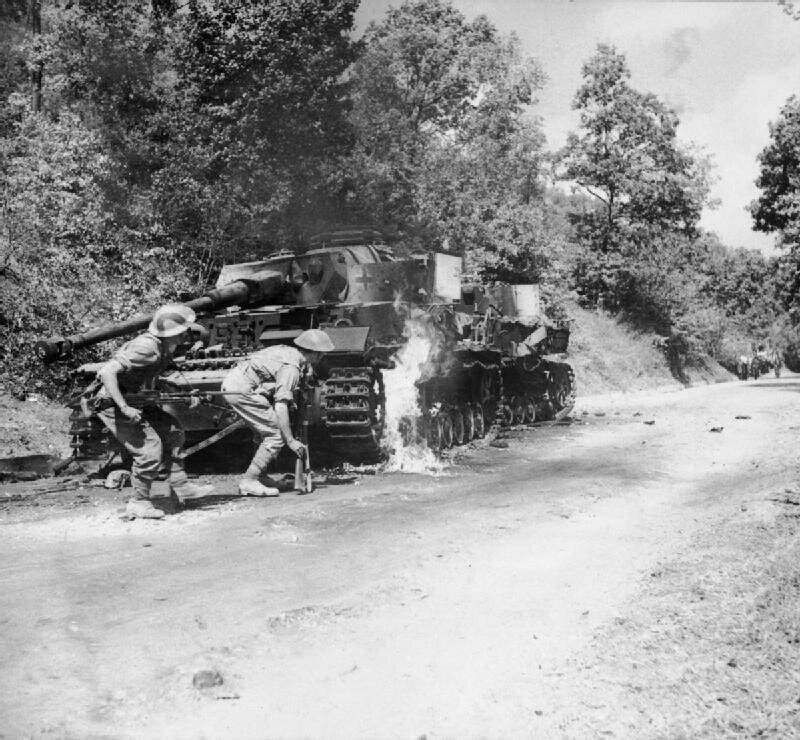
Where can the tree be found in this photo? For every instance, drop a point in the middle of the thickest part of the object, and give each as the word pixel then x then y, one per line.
pixel 628 157
pixel 644 182
pixel 777 209
pixel 13 64
pixel 65 262
pixel 445 155
pixel 169 140
pixel 259 109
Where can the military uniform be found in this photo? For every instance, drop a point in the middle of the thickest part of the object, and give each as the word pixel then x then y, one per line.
pixel 142 360
pixel 263 379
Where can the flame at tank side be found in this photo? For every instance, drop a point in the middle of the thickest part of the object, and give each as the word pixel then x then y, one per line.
pixel 407 452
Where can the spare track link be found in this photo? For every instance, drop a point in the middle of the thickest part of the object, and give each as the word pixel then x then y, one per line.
pixel 353 407
pixel 89 437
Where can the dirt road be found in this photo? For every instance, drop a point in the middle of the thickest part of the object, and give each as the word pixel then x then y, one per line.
pixel 491 601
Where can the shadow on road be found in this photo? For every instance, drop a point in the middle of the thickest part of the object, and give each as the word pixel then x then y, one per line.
pixel 792 385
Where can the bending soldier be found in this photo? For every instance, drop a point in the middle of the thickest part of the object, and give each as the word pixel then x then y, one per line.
pixel 272 372
pixel 148 433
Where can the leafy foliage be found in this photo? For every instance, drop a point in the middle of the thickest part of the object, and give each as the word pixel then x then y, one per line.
pixel 168 142
pixel 778 207
pixel 173 138
pixel 639 247
pixel 66 263
pixel 777 210
pixel 628 158
pixel 445 155
pixel 258 112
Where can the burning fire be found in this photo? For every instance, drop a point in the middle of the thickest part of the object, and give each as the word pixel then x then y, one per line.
pixel 409 452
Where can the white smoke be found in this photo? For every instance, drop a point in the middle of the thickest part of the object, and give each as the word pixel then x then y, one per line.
pixel 408 451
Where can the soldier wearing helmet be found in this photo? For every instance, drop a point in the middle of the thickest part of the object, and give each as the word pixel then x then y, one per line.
pixel 148 433
pixel 262 387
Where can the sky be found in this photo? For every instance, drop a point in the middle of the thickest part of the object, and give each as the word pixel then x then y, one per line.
pixel 725 67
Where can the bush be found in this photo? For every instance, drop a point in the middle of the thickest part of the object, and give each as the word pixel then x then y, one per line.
pixel 65 263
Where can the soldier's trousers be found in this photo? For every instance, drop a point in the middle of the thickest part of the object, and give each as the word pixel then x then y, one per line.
pixel 259 415
pixel 155 439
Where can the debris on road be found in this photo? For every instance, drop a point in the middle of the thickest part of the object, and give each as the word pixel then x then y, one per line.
pixel 790 497
pixel 58 485
pixel 649 422
pixel 117 479
pixel 741 416
pixel 207 679
pixel 716 429
pixel 27 467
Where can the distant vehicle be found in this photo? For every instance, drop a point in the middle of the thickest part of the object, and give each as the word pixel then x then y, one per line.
pixel 743 367
pixel 777 362
pixel 761 363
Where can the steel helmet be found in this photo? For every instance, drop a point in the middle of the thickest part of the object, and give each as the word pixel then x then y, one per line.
pixel 315 340
pixel 171 320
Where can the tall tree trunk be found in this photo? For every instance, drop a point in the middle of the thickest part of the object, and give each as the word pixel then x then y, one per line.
pixel 35 20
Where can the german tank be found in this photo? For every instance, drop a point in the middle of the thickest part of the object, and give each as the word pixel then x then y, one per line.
pixel 490 360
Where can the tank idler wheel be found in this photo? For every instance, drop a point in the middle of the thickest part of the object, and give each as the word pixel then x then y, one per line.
pixel 445 430
pixel 468 415
pixel 530 411
pixel 478 420
pixel 459 431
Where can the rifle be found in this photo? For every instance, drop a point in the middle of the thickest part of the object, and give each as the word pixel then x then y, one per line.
pixel 91 405
pixel 303 482
pixel 156 398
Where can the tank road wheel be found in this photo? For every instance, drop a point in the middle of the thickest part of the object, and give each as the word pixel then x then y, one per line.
pixel 434 435
pixel 490 392
pixel 530 411
pixel 408 431
pixel 457 421
pixel 518 410
pixel 469 422
pixel 446 430
pixel 507 414
pixel 478 420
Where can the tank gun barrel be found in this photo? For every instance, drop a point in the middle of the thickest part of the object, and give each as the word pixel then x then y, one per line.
pixel 257 288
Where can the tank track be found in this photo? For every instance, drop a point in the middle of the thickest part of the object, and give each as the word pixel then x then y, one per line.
pixel 353 408
pixel 483 398
pixel 495 397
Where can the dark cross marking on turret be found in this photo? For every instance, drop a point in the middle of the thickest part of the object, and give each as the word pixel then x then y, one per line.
pixel 366 279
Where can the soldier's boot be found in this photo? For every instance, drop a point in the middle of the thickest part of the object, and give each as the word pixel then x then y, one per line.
pixel 141 506
pixel 179 484
pixel 186 490
pixel 253 487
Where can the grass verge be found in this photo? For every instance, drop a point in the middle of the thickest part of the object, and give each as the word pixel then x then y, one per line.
pixel 711 647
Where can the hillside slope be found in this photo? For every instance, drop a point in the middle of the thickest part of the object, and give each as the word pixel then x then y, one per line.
pixel 609 356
